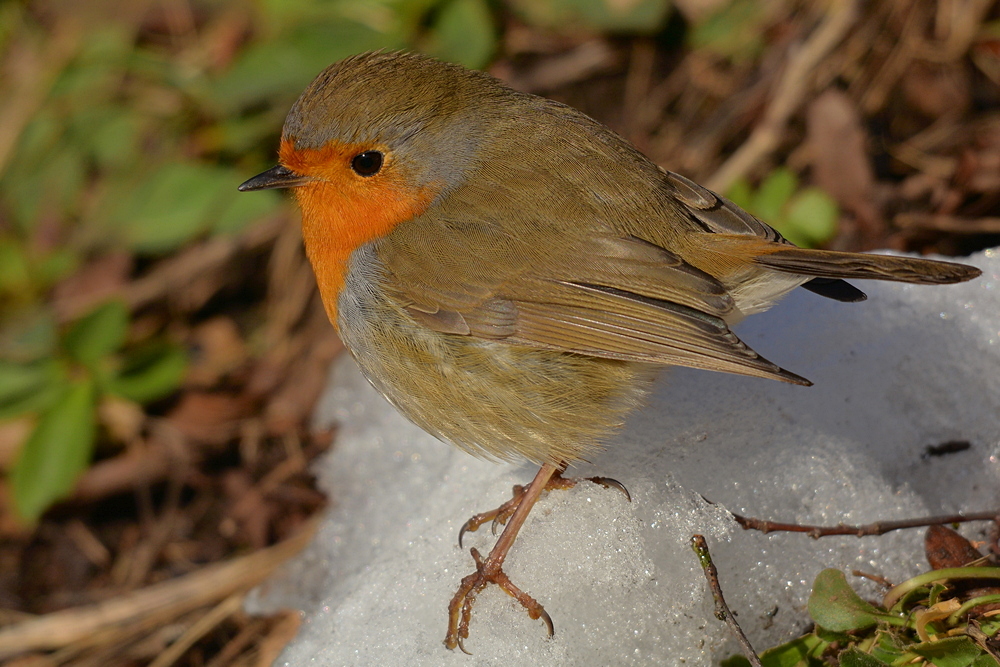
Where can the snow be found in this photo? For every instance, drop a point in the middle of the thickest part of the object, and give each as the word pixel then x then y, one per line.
pixel 913 366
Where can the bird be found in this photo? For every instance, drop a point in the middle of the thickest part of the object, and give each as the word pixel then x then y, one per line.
pixel 510 274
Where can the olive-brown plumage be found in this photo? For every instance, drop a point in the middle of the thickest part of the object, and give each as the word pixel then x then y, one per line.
pixel 509 273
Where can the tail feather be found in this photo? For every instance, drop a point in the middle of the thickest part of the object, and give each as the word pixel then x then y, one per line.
pixel 833 264
pixel 832 288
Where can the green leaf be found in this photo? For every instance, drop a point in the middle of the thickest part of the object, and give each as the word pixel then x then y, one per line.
pixel 814 215
pixel 278 70
pixel 835 606
pixel 888 647
pixel 173 205
pixel 793 653
pixel 937 590
pixel 735 31
pixel 114 143
pixel 54 186
pixel 98 334
pixel 645 16
pixel 17 380
pixel 56 452
pixel 243 210
pixel 949 652
pixel 741 194
pixel 55 265
pixel 990 625
pixel 902 592
pixel 39 138
pixel 26 388
pixel 15 268
pixel 852 657
pixel 28 334
pixel 985 660
pixel 774 193
pixel 150 373
pixel 34 402
pixel 735 661
pixel 463 32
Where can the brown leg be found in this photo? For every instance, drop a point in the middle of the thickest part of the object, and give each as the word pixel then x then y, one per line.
pixel 491 569
pixel 500 515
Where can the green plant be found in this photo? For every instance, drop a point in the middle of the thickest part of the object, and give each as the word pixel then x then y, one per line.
pixel 735 31
pixel 805 216
pixel 931 619
pixel 135 143
pixel 61 390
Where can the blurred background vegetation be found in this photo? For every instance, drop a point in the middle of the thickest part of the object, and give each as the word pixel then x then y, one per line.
pixel 161 343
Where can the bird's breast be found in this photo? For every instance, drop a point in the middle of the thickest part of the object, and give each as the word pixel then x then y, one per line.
pixel 338 220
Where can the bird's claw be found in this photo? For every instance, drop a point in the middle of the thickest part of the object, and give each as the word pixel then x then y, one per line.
pixel 460 608
pixel 500 515
pixel 609 483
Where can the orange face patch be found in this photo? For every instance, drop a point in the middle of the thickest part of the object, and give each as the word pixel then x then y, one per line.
pixel 342 211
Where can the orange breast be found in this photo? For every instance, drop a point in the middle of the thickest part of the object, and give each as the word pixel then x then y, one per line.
pixel 342 211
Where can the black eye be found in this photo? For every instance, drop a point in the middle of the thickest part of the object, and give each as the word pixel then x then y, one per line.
pixel 367 163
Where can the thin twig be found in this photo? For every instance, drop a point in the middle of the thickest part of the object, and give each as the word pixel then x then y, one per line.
pixel 32 71
pixel 789 95
pixel 948 223
pixel 171 274
pixel 722 611
pixel 165 600
pixel 199 629
pixel 877 528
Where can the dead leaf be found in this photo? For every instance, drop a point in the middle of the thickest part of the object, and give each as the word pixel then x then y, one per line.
pixel 12 434
pixel 123 419
pixel 838 147
pixel 217 349
pixel 209 418
pixel 96 281
pixel 946 548
pixel 936 90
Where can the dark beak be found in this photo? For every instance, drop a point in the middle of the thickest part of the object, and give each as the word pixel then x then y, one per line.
pixel 275 177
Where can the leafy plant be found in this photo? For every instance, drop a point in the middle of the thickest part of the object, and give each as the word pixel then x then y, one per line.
pixel 644 16
pixel 735 31
pixel 805 216
pixel 60 394
pixel 929 620
pixel 136 145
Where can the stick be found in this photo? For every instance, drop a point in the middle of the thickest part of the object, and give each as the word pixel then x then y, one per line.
pixel 788 96
pixel 877 528
pixel 722 611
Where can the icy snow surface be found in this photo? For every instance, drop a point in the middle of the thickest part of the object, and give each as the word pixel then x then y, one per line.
pixel 911 367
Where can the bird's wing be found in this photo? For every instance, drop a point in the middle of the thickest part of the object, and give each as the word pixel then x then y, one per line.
pixel 598 294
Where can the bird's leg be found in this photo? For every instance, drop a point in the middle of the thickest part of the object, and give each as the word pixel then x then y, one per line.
pixel 512 513
pixel 491 569
pixel 500 515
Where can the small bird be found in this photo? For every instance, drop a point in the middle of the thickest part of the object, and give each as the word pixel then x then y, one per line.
pixel 509 273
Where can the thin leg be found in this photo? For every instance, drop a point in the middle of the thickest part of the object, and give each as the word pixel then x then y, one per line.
pixel 491 569
pixel 502 514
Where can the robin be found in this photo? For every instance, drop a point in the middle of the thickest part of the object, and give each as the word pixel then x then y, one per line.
pixel 510 274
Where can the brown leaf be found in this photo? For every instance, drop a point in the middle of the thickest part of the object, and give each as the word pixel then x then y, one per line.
pixel 123 419
pixel 12 434
pixel 838 146
pixel 209 418
pixel 946 548
pixel 696 11
pixel 217 350
pixel 937 90
pixel 297 396
pixel 96 281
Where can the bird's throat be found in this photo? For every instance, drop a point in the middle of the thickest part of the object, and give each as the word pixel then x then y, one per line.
pixel 337 221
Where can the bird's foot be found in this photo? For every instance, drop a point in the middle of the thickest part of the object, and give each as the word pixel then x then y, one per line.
pixel 460 608
pixel 501 514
